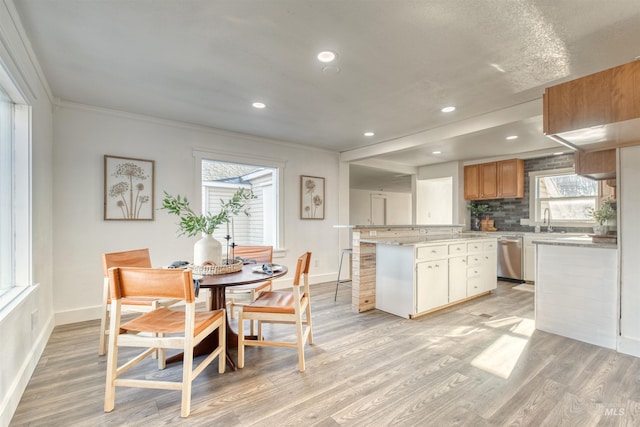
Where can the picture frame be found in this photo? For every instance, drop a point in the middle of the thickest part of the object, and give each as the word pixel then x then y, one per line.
pixel 312 197
pixel 128 189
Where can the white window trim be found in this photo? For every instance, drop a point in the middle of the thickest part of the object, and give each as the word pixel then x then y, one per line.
pixel 532 199
pixel 201 154
pixel 22 172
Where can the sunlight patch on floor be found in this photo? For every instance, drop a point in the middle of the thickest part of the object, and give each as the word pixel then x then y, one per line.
pixel 501 357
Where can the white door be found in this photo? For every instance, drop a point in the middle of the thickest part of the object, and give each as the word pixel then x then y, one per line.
pixel 434 201
pixel 378 210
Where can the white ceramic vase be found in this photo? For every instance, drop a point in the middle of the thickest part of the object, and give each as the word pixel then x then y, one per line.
pixel 600 229
pixel 207 249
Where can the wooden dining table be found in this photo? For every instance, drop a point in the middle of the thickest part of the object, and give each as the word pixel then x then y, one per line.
pixel 217 285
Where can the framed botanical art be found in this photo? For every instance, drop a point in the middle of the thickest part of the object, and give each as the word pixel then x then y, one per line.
pixel 128 189
pixel 311 197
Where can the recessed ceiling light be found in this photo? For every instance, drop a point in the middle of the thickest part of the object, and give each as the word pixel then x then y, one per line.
pixel 436 152
pixel 511 137
pixel 326 56
pixel 259 105
pixel 558 153
pixel 369 134
pixel 448 109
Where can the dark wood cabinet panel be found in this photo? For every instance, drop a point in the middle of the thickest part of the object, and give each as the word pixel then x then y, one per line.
pixel 596 164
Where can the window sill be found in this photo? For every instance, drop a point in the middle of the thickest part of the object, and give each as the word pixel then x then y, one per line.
pixel 11 298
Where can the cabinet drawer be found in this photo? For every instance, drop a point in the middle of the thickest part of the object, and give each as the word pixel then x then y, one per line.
pixel 474 247
pixel 474 260
pixel 458 249
pixel 431 252
pixel 489 246
pixel 474 272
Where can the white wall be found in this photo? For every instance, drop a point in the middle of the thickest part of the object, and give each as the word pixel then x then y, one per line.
pixel 398 207
pixel 455 170
pixel 434 201
pixel 629 249
pixel 83 135
pixel 22 343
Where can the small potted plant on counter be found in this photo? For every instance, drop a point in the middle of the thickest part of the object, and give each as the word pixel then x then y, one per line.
pixel 477 211
pixel 602 215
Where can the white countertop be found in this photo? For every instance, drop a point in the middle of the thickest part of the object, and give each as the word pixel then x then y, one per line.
pixel 417 240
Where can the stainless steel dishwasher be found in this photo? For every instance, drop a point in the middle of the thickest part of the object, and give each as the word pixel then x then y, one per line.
pixel 510 258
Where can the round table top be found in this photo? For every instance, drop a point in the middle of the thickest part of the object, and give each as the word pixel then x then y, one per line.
pixel 243 277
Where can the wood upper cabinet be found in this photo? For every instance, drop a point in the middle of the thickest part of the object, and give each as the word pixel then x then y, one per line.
pixel 488 180
pixel 511 178
pixel 471 182
pixel 596 164
pixel 601 99
pixel 494 180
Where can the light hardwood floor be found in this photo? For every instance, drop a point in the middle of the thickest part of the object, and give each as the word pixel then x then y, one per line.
pixel 477 364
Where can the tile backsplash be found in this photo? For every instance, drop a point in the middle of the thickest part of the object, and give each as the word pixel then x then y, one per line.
pixel 507 213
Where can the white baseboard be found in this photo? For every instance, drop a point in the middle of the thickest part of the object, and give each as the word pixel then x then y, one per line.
pixel 629 346
pixel 9 405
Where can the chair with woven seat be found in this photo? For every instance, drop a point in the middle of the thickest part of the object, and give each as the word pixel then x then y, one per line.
pixel 240 295
pixel 132 258
pixel 290 307
pixel 162 328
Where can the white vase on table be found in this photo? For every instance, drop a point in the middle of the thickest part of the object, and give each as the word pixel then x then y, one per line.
pixel 207 249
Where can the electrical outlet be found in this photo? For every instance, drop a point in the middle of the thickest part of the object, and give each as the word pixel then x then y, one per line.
pixel 316 263
pixel 372 233
pixel 423 231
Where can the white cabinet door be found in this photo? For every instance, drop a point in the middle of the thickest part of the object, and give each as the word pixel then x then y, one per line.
pixel 432 280
pixel 489 271
pixel 457 278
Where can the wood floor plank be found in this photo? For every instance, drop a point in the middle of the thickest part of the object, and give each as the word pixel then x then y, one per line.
pixel 477 364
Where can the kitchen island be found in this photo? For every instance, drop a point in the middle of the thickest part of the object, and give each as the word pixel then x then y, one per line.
pixel 576 291
pixel 367 238
pixel 416 276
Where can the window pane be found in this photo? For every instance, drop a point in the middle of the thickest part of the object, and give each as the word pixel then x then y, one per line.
pixel 568 210
pixel 566 186
pixel 6 193
pixel 221 179
pixel 567 196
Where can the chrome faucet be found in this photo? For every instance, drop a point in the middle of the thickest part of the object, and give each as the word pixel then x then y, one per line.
pixel 546 219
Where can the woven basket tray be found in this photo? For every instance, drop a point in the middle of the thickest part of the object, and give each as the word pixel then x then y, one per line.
pixel 210 270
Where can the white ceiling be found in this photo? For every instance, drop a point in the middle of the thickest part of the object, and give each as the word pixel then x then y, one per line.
pixel 400 62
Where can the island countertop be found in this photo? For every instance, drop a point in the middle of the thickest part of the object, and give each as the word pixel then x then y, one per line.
pixel 416 240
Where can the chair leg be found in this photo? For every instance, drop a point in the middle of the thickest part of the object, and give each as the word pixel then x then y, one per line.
pixel 104 322
pixel 308 322
pixel 241 340
pixel 187 377
pixel 112 368
pixel 222 342
pixel 161 354
pixel 300 337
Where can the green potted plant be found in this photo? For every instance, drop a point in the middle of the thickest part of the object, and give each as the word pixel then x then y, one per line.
pixel 207 249
pixel 477 210
pixel 602 215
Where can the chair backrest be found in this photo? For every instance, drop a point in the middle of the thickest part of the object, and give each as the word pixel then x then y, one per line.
pixel 134 258
pixel 259 254
pixel 127 282
pixel 304 261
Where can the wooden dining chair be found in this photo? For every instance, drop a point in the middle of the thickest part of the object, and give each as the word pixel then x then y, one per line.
pixel 240 295
pixel 163 328
pixel 291 307
pixel 132 258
